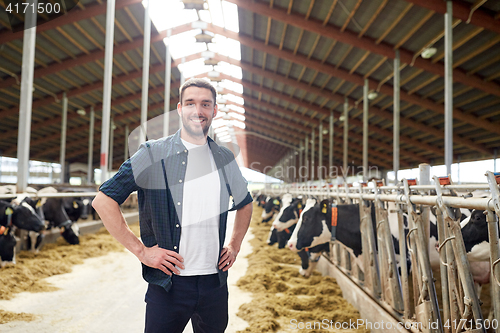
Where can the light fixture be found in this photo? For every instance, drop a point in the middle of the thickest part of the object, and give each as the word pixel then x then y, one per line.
pixel 222 100
pixel 211 62
pixel 203 38
pixel 325 132
pixel 81 112
pixel 428 52
pixel 342 118
pixel 372 95
pixel 193 4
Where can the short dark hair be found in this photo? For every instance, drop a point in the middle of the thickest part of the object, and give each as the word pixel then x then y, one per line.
pixel 200 83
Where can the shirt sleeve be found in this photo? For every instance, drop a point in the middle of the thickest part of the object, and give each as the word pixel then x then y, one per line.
pixel 238 185
pixel 129 178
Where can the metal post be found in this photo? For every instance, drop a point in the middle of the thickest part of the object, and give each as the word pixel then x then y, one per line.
pixel 301 153
pixel 306 158
pixel 145 73
pixel 111 138
pixel 365 131
pixel 168 79
pixel 62 156
pixel 127 133
pixel 346 138
pixel 26 99
pixel 396 107
pixel 320 154
pixel 425 179
pixel 495 160
pixel 330 151
pixel 106 98
pixel 90 168
pixel 448 87
pixel 313 149
pixel 182 79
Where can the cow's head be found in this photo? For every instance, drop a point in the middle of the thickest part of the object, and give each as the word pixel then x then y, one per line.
pixel 315 229
pixel 474 230
pixel 70 232
pixel 293 242
pixel 24 216
pixel 7 245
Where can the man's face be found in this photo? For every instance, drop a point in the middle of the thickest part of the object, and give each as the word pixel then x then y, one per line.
pixel 197 111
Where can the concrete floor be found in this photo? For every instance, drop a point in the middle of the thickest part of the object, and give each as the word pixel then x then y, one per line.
pixel 106 294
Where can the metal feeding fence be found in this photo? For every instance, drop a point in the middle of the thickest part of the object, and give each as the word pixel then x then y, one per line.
pixel 380 277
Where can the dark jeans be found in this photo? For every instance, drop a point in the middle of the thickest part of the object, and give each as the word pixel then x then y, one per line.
pixel 199 298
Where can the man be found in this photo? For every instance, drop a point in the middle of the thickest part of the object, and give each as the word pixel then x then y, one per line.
pixel 184 183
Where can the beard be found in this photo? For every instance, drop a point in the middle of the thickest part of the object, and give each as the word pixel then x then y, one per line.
pixel 196 130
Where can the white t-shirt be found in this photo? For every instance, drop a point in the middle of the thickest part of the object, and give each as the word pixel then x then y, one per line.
pixel 199 244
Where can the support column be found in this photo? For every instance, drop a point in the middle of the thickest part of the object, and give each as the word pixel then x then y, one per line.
pixel 396 120
pixel 330 151
pixel 64 125
pixel 26 99
pixel 146 50
pixel 365 131
pixel 306 158
pixel 182 80
pixel 448 87
pixel 168 79
pixel 313 149
pixel 320 154
pixel 106 98
pixel 346 138
pixel 127 133
pixel 301 153
pixel 495 160
pixel 90 168
pixel 111 138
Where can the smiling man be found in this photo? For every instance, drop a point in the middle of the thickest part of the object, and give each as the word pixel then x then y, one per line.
pixel 184 183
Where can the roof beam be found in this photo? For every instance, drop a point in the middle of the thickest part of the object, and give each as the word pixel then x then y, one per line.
pixel 461 10
pixel 365 43
pixel 354 78
pixel 340 99
pixel 74 15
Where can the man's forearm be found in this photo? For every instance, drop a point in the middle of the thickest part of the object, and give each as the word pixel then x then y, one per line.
pixel 115 223
pixel 241 224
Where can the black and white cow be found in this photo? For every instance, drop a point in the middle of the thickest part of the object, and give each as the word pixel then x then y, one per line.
pixel 76 208
pixel 314 231
pixel 271 207
pixel 273 234
pixel 54 212
pixel 14 216
pixel 284 224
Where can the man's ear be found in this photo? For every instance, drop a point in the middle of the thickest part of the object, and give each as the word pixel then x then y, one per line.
pixel 216 109
pixel 179 109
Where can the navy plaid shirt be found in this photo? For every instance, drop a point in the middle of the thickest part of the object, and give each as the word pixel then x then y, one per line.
pixel 157 172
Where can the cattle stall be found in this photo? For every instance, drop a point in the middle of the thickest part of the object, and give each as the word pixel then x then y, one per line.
pixel 407 294
pixel 83 226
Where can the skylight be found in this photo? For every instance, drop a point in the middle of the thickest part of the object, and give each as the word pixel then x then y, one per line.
pixel 168 14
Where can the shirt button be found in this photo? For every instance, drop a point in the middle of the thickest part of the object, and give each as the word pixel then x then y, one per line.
pixel 185 151
pixel 178 204
pixel 183 162
pixel 180 180
pixel 175 247
pixel 178 152
pixel 177 225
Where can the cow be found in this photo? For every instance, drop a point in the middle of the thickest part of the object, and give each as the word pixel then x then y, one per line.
pixel 76 208
pixel 53 209
pixel 14 216
pixel 270 208
pixel 273 235
pixel 284 224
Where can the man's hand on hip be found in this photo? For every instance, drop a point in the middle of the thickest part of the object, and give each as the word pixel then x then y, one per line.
pixel 162 259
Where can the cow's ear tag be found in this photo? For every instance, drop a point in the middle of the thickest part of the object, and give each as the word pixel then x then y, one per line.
pixel 75 205
pixel 323 210
pixel 9 211
pixel 3 230
pixel 299 206
pixel 276 202
pixel 39 204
